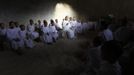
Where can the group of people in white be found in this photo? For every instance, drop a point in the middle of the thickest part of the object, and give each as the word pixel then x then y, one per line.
pixel 103 55
pixel 21 36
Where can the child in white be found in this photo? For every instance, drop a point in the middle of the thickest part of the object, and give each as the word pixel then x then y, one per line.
pixel 12 36
pixel 30 32
pixel 22 36
pixel 47 37
pixel 54 32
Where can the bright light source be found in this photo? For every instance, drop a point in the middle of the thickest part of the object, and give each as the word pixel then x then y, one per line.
pixel 62 10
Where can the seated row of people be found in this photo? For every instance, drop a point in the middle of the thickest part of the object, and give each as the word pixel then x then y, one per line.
pixel 20 36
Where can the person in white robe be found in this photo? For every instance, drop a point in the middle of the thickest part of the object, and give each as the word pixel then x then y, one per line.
pixel 47 37
pixel 58 28
pixel 58 25
pixel 12 36
pixel 17 26
pixel 54 32
pixel 22 37
pixel 65 26
pixel 71 29
pixel 30 32
pixel 79 27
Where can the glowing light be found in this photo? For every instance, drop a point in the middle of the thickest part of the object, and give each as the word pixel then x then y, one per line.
pixel 62 10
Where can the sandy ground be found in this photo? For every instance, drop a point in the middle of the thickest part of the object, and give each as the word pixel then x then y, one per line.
pixel 56 59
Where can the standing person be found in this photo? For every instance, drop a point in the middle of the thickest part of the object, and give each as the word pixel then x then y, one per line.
pixel 65 25
pixel 58 28
pixel 30 32
pixel 31 26
pixel 12 36
pixel 17 26
pixel 47 37
pixel 2 36
pixel 39 25
pixel 71 29
pixel 54 32
pixel 22 37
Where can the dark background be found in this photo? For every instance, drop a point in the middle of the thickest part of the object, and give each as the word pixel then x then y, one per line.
pixel 22 10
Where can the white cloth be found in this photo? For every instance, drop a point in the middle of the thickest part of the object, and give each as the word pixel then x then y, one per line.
pixel 65 25
pixel 107 34
pixel 31 36
pixel 30 28
pixel 79 27
pixel 22 37
pixel 13 36
pixel 35 35
pixel 47 37
pixel 59 25
pixel 54 32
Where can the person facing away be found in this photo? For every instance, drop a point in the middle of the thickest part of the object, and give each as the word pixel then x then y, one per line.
pixel 110 53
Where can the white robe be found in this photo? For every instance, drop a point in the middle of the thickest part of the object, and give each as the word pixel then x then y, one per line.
pixel 71 31
pixel 79 27
pixel 107 34
pixel 54 32
pixel 22 37
pixel 30 28
pixel 31 37
pixel 12 36
pixel 65 25
pixel 47 37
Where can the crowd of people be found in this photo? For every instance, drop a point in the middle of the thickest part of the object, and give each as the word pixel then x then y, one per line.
pixel 23 36
pixel 108 54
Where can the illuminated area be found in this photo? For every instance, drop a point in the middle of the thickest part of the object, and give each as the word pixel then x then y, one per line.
pixel 62 10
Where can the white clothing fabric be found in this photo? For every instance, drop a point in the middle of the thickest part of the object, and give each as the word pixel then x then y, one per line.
pixel 47 37
pixel 13 36
pixel 108 35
